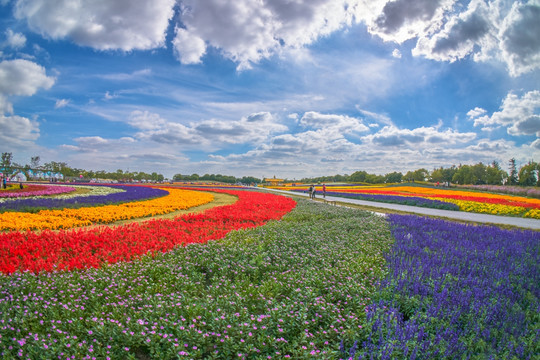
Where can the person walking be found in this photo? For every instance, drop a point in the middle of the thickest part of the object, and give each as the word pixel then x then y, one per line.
pixel 324 191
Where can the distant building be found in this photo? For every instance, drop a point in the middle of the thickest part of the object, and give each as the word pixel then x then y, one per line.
pixel 273 181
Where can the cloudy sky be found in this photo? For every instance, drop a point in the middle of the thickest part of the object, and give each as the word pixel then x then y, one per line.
pixel 290 88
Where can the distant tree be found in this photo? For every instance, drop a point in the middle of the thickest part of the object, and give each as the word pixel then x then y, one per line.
pixel 495 175
pixel 394 177
pixel 6 165
pixel 528 174
pixel 464 175
pixel 35 162
pixel 358 176
pixel 513 175
pixel 420 175
pixel 479 173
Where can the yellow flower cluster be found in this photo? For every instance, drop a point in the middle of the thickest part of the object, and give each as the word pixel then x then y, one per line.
pixel 68 218
pixel 486 208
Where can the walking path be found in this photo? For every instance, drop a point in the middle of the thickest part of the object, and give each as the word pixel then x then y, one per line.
pixel 456 215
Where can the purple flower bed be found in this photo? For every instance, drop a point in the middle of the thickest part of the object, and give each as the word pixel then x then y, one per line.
pixel 132 193
pixel 455 291
pixel 403 200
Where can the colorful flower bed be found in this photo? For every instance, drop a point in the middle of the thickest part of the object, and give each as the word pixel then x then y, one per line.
pixel 50 250
pixel 488 203
pixel 68 218
pixel 35 190
pixel 305 287
pixel 394 199
pixel 455 291
pixel 290 289
pixel 96 196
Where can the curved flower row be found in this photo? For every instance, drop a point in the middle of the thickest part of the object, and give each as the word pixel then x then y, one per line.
pixel 36 190
pixel 404 200
pixel 68 218
pixel 454 195
pixel 82 248
pixel 98 195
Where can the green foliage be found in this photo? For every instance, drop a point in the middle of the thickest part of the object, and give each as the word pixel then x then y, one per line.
pixel 293 287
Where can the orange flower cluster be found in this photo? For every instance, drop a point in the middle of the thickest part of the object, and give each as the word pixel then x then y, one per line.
pixel 69 218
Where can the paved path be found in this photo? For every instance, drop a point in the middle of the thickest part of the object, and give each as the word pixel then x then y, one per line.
pixel 457 215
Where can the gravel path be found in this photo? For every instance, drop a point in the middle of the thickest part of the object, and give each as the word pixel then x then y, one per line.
pixel 456 215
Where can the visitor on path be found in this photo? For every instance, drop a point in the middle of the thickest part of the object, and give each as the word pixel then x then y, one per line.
pixel 313 192
pixel 324 191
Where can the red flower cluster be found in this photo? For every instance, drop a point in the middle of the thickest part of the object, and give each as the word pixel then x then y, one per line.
pixel 83 248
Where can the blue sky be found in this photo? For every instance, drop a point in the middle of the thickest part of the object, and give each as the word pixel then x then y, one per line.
pixel 290 88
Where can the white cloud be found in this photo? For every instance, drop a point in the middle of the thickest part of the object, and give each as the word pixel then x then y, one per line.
pixel 188 49
pixel 21 78
pixel 520 115
pixel 102 24
pixel 396 53
pixel 17 132
pixel 213 133
pixel 401 20
pixel 459 35
pixel 14 40
pixel 520 39
pixel 247 31
pixel 342 123
pixel 391 136
pixel 95 144
pixel 60 103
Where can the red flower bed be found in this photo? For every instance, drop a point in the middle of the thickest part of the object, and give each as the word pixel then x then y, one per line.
pixel 83 248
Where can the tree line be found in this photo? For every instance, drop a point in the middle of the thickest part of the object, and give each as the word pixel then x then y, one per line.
pixel 35 170
pixel 477 174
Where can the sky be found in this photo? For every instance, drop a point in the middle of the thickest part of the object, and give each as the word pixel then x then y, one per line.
pixel 285 88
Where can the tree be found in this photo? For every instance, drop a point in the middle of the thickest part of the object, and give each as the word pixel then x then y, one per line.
pixel 513 176
pixel 495 175
pixel 528 174
pixel 393 177
pixel 34 162
pixel 358 176
pixel 5 166
pixel 464 175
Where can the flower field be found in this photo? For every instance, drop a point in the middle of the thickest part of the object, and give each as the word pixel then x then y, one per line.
pixel 35 190
pixel 294 281
pixel 471 201
pixel 68 218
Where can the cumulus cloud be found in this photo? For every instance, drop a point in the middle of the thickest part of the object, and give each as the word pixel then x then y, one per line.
pixel 214 132
pixel 401 20
pixel 188 49
pixel 17 132
pixel 14 40
pixel 21 78
pixel 102 24
pixel 247 31
pixel 392 136
pixel 520 115
pixel 341 123
pixel 519 37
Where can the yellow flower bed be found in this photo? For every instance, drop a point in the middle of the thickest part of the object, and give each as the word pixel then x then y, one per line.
pixel 68 218
pixel 486 208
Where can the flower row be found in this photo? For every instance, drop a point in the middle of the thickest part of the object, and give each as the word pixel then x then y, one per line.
pixel 35 190
pixel 69 249
pixel 94 196
pixel 68 218
pixel 455 291
pixel 288 290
